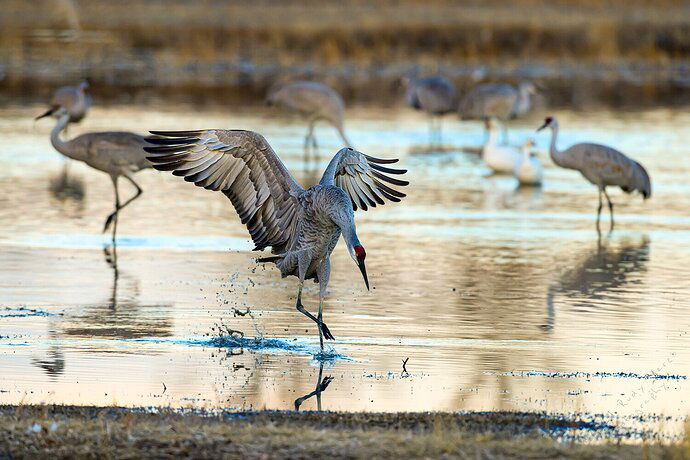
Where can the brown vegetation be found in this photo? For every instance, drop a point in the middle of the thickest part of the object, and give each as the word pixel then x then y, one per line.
pixel 87 432
pixel 640 48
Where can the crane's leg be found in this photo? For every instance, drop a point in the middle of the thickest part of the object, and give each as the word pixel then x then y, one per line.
pixel 610 208
pixel 323 272
pixel 114 215
pixel 323 329
pixel 599 209
pixel 112 218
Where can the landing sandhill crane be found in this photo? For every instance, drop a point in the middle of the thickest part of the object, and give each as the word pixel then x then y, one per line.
pixel 73 99
pixel 603 166
pixel 314 101
pixel 500 157
pixel 116 153
pixel 528 170
pixel 301 226
pixel 499 100
pixel 434 95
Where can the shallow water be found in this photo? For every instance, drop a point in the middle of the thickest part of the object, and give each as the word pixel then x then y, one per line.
pixel 501 298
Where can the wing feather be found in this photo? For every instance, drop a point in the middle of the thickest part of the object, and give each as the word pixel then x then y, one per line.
pixel 362 177
pixel 243 166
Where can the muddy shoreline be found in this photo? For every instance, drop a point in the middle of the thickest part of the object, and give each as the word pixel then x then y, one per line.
pixel 86 431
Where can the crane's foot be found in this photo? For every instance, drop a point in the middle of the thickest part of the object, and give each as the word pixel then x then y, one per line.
pixel 325 331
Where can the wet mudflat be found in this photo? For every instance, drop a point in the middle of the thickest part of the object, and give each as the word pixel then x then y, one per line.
pixel 501 298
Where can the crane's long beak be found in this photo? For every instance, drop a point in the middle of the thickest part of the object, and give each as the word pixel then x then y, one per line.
pixel 542 127
pixel 363 269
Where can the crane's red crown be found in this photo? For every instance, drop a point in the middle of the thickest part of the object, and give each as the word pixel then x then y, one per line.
pixel 548 120
pixel 359 251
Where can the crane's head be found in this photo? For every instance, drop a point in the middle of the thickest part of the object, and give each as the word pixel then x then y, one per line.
pixel 84 85
pixel 358 255
pixel 549 122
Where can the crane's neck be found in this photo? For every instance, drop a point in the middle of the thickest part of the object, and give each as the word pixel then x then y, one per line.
pixel 349 232
pixel 556 155
pixel 328 177
pixel 60 145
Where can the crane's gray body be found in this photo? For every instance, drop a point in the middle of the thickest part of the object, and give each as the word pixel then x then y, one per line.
pixel 116 153
pixel 434 95
pixel 302 227
pixel 322 208
pixel 499 100
pixel 604 166
pixel 314 101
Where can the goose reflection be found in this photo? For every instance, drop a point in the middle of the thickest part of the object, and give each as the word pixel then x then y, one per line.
pixel 599 272
pixel 121 316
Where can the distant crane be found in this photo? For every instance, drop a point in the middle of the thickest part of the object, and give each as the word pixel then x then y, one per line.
pixel 501 158
pixel 499 100
pixel 603 166
pixel 74 99
pixel 435 95
pixel 314 101
pixel 301 226
pixel 116 153
pixel 528 169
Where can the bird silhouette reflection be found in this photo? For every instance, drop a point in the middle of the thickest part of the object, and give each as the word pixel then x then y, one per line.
pixel 599 272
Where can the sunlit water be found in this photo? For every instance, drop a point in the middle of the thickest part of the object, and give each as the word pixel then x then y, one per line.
pixel 501 298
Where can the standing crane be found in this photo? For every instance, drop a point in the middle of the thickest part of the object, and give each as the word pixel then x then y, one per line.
pixel 314 101
pixel 498 100
pixel 74 99
pixel 434 95
pixel 116 153
pixel 302 227
pixel 603 166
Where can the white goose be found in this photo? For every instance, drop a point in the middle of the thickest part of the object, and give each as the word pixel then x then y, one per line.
pixel 528 169
pixel 501 158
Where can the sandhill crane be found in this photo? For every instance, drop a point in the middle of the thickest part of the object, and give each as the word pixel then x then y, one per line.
pixel 301 226
pixel 73 99
pixel 501 158
pixel 314 101
pixel 434 95
pixel 116 153
pixel 603 166
pixel 528 170
pixel 499 100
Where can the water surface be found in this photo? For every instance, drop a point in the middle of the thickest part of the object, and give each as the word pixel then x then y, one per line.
pixel 501 298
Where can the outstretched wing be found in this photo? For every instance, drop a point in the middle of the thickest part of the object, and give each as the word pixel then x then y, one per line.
pixel 244 167
pixel 363 179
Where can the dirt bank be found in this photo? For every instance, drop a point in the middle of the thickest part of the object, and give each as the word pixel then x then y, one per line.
pixel 91 432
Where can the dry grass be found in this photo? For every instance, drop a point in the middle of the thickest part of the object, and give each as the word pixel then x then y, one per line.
pixel 86 432
pixel 361 48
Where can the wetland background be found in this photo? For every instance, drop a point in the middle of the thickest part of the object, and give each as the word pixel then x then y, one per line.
pixel 503 298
